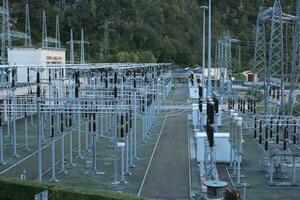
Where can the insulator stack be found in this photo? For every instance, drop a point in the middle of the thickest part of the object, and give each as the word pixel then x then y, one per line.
pixel 284 144
pixel 0 119
pixel 200 92
pixel 127 123
pixel 274 92
pixel 52 125
pixel 28 76
pixel 50 78
pixel 13 81
pixel 61 122
pixel 210 134
pixel 70 118
pixel 94 123
pixel 216 104
pixel 210 122
pixel 266 132
pixel 210 112
pixel 115 92
pixel 260 139
pixel 122 126
pixel 260 126
pixel 130 119
pixel 277 138
pixel 255 128
pixel 38 81
pixel 239 133
pixel 266 145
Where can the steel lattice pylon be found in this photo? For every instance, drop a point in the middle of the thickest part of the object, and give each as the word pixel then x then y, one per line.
pixel 260 50
pixel 275 64
pixel 295 73
pixel 7 35
pixel 224 61
pixel 6 31
pixel 270 70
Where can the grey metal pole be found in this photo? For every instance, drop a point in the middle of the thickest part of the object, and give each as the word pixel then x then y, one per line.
pixel 39 129
pixel 115 182
pixel 53 179
pixel 101 125
pixel 26 133
pixel 87 134
pixel 96 172
pixel 14 128
pixel 115 131
pixel 71 163
pixel 62 171
pixel 42 128
pixel 294 171
pixel 209 51
pixel 271 171
pixel 134 126
pixel 79 155
pixel 203 44
pixel 1 147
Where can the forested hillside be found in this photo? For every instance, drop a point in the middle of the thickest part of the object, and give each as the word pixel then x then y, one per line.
pixel 146 30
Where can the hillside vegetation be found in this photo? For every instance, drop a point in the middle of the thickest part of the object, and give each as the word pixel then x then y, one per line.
pixel 147 30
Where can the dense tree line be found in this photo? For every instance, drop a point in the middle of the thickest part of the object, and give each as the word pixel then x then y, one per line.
pixel 146 30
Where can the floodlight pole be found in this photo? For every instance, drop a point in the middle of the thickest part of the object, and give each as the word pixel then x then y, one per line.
pixel 209 51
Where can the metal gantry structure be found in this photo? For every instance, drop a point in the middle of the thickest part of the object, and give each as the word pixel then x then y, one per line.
pixel 46 40
pixel 107 98
pixel 294 95
pixel 224 64
pixel 277 128
pixel 7 35
pixel 269 62
pixel 82 42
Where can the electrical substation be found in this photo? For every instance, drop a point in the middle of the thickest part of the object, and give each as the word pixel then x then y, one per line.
pixel 149 129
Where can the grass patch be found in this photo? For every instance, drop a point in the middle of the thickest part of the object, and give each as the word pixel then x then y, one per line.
pixel 14 189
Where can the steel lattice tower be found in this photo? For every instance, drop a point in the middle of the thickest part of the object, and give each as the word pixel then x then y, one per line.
pixel 224 61
pixel 28 42
pixel 295 73
pixel 271 71
pixel 275 64
pixel 260 49
pixel 6 31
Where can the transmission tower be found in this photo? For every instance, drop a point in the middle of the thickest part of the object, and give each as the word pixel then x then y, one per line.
pixel 260 49
pixel 271 71
pixel 275 65
pixel 6 31
pixel 295 73
pixel 28 42
pixel 80 42
pixel 224 61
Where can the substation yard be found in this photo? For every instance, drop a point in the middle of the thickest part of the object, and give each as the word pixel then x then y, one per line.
pixel 160 171
pixel 165 168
